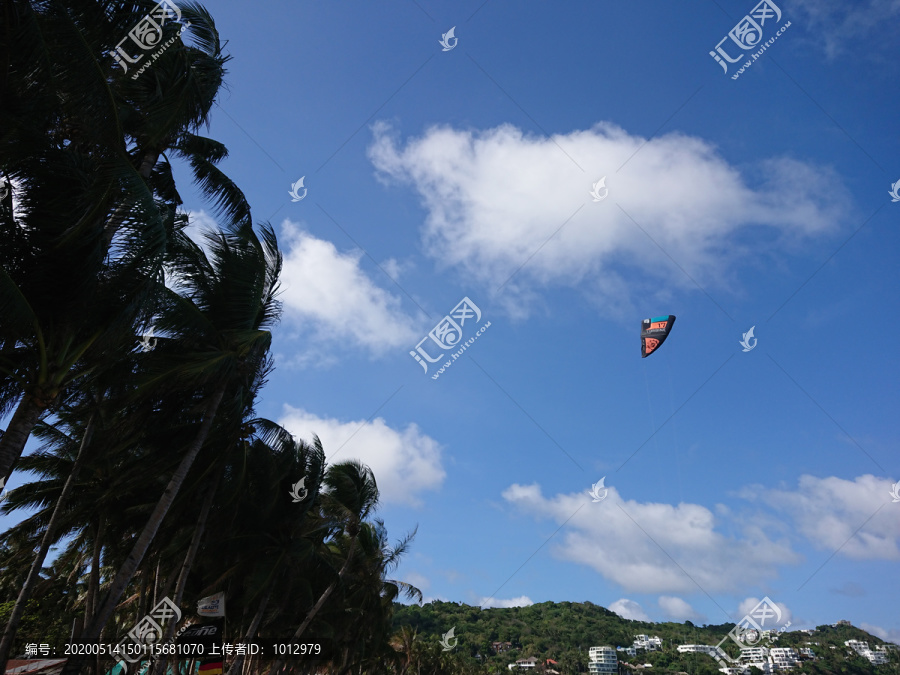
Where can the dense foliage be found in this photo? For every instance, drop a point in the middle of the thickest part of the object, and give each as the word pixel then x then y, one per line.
pixel 154 477
pixel 565 631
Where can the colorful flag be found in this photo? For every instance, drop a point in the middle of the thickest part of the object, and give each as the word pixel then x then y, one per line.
pixel 214 605
pixel 213 667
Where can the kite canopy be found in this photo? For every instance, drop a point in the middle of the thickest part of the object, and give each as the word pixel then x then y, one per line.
pixel 654 332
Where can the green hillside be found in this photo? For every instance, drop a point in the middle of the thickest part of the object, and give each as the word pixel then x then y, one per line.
pixel 565 631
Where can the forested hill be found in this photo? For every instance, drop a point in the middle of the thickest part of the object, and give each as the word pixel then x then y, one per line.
pixel 565 631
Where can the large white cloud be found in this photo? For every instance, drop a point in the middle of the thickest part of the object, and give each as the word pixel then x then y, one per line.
pixel 637 545
pixel 629 609
pixel 853 517
pixel 405 462
pixel 494 197
pixel 328 290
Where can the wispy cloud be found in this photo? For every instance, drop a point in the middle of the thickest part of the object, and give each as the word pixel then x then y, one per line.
pixel 829 513
pixel 650 538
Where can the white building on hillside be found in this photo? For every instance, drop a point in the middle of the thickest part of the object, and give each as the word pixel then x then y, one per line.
pixel 783 658
pixel 651 644
pixel 756 656
pixel 603 660
pixel 523 664
pixel 876 658
pixel 630 651
pixel 701 649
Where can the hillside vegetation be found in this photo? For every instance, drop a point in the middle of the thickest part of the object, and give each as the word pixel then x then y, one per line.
pixel 565 631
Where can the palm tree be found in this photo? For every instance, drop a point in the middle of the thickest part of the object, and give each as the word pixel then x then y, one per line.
pixel 85 147
pixel 405 641
pixel 274 537
pixel 220 341
pixel 33 574
pixel 349 497
pixel 365 614
pixel 94 475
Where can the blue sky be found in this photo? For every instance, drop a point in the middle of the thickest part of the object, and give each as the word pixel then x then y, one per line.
pixel 758 201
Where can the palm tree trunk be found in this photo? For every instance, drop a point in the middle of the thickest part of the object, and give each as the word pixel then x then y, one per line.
pixel 142 598
pixel 28 412
pixel 133 561
pixel 156 580
pixel 12 625
pixel 319 603
pixel 199 529
pixel 251 632
pixel 94 580
pixel 198 536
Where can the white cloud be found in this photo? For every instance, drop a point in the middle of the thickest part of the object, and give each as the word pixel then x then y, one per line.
pixel 889 635
pixel 496 196
pixel 848 516
pixel 405 462
pixel 629 609
pixel 198 223
pixel 521 601
pixel 630 543
pixel 328 291
pixel 677 609
pixel 834 23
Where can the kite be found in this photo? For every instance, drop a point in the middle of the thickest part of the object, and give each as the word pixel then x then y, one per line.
pixel 654 332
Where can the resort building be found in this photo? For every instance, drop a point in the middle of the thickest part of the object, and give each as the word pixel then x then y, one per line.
pixel 523 664
pixel 754 654
pixel 757 656
pixel 877 657
pixel 630 651
pixel 602 660
pixel 783 658
pixel 650 644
